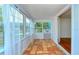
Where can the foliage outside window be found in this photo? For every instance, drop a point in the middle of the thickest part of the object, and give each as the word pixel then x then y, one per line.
pixel 46 25
pixel 42 26
pixel 1 28
pixel 38 27
pixel 38 24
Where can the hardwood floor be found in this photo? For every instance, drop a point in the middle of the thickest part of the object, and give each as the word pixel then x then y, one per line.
pixel 43 47
pixel 66 44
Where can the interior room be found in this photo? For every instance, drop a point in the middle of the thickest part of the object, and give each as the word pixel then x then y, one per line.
pixel 37 29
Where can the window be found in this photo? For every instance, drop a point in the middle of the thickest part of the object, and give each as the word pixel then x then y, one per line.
pixel 19 24
pixel 21 28
pixel 38 27
pixel 16 19
pixel 42 26
pixel 1 29
pixel 16 29
pixel 46 26
pixel 27 26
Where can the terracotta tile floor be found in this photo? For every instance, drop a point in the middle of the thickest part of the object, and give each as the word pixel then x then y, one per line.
pixel 43 47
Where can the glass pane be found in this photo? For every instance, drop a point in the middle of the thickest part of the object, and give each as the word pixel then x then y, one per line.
pixel 11 26
pixel 46 25
pixel 18 23
pixel 1 18
pixel 38 24
pixel 1 28
pixel 1 5
pixel 0 11
pixel 18 14
pixel 21 29
pixel 38 29
pixel 27 25
pixel 17 29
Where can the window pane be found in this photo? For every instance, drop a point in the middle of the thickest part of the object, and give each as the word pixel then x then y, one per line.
pixel 27 26
pixel 17 17
pixel 18 14
pixel 21 29
pixel 0 17
pixel 46 25
pixel 0 11
pixel 38 29
pixel 38 24
pixel 1 28
pixel 17 28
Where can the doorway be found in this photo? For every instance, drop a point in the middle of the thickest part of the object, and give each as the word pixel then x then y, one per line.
pixel 65 30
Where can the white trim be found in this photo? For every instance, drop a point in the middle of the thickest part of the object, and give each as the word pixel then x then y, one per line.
pixel 60 13
pixel 64 10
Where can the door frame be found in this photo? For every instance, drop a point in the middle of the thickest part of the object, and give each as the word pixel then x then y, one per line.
pixel 58 19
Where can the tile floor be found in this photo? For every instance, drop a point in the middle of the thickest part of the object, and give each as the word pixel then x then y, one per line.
pixel 43 47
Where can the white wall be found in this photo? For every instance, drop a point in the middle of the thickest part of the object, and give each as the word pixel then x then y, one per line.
pixel 65 27
pixel 55 33
pixel 54 29
pixel 56 25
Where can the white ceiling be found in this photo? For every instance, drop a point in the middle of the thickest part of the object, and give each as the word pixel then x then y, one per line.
pixel 42 11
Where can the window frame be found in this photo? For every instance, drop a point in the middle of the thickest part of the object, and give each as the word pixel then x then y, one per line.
pixel 42 26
